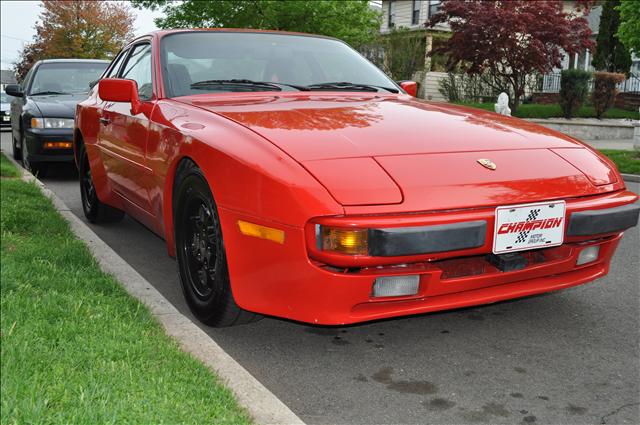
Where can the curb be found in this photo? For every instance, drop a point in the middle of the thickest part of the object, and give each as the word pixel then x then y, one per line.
pixel 263 406
pixel 631 178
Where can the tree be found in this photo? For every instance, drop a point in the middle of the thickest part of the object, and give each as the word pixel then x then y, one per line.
pixel 77 29
pixel 611 55
pixel 353 21
pixel 629 29
pixel 510 40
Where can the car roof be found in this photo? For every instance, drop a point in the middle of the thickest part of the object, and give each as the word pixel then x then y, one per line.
pixel 162 33
pixel 74 60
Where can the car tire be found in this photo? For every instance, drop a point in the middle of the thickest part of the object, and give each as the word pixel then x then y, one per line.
pixel 200 251
pixel 17 154
pixel 35 168
pixel 94 210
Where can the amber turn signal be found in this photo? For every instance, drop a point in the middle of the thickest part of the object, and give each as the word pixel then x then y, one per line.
pixel 57 145
pixel 262 232
pixel 344 241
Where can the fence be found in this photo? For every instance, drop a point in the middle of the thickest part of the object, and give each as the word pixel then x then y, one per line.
pixel 550 83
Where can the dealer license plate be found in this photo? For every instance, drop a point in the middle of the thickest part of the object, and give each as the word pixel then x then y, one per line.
pixel 6 118
pixel 531 226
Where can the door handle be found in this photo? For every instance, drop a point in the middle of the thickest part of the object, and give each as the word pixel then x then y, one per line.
pixel 105 121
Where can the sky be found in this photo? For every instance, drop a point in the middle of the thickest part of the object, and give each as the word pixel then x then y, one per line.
pixel 18 17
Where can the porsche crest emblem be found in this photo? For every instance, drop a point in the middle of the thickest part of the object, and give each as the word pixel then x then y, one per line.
pixel 487 163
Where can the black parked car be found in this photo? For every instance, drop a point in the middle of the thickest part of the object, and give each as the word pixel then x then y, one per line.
pixel 44 107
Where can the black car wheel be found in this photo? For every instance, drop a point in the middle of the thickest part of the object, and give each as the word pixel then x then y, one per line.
pixel 202 261
pixel 17 154
pixel 35 168
pixel 94 210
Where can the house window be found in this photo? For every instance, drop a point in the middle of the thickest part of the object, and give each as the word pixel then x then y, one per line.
pixel 434 7
pixel 415 12
pixel 392 13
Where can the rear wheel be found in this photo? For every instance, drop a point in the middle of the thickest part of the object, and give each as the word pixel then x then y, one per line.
pixel 94 210
pixel 202 261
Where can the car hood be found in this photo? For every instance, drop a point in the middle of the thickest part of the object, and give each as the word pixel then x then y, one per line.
pixel 373 150
pixel 328 126
pixel 58 106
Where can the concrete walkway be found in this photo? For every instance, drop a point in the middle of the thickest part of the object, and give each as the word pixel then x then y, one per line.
pixel 623 144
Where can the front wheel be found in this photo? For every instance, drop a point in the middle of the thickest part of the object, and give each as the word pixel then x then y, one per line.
pixel 94 210
pixel 35 168
pixel 202 261
pixel 17 154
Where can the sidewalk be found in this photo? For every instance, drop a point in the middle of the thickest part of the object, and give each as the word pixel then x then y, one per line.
pixel 620 144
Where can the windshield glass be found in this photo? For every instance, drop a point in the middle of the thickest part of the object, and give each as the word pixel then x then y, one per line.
pixel 210 59
pixel 5 98
pixel 66 77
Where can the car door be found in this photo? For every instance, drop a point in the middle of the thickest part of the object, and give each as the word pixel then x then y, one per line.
pixel 122 136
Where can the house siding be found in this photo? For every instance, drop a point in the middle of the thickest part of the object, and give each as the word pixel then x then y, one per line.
pixel 403 13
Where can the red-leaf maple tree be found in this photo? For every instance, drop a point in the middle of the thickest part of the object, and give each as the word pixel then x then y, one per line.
pixel 512 39
pixel 77 29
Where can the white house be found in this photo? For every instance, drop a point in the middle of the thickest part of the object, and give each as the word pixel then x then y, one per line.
pixel 408 13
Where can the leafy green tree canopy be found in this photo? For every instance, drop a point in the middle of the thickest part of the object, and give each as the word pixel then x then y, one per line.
pixel 629 29
pixel 352 21
pixel 611 55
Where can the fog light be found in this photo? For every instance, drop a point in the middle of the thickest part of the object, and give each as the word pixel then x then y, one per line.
pixel 588 255
pixel 396 286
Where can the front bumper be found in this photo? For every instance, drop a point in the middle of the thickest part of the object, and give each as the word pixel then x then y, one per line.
pixel 35 139
pixel 283 280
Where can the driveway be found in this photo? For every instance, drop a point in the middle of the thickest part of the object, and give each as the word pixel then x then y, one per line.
pixel 567 357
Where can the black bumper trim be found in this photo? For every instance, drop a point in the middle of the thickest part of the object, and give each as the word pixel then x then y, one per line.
pixel 400 241
pixel 596 222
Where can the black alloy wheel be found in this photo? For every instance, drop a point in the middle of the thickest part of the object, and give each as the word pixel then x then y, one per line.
pixel 94 210
pixel 200 251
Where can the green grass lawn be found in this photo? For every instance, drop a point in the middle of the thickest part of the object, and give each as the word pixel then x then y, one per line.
pixel 626 161
pixel 75 347
pixel 6 168
pixel 533 110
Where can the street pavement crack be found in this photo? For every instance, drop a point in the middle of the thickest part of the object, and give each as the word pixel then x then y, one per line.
pixel 603 420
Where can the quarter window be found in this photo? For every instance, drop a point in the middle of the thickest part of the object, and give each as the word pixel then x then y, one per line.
pixel 138 68
pixel 113 72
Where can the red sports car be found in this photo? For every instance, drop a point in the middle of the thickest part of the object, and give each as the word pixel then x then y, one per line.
pixel 290 177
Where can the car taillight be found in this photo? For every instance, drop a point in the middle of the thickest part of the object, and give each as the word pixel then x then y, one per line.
pixel 343 240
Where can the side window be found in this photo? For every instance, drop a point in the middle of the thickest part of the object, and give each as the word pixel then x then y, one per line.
pixel 138 68
pixel 113 72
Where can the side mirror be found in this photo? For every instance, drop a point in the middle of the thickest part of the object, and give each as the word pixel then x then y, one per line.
pixel 14 90
pixel 411 87
pixel 120 90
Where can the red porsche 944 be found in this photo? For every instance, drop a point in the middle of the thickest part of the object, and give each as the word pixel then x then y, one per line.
pixel 290 177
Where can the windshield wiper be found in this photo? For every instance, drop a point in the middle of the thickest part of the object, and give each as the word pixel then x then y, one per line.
pixel 245 83
pixel 345 85
pixel 46 92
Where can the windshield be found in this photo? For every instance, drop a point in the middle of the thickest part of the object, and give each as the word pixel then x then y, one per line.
pixel 66 77
pixel 201 62
pixel 5 98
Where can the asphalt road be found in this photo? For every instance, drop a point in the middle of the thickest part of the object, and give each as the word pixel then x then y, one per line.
pixel 571 357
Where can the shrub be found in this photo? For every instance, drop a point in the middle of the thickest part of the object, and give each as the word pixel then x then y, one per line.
pixel 464 87
pixel 604 91
pixel 574 85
